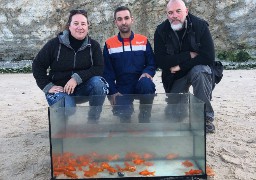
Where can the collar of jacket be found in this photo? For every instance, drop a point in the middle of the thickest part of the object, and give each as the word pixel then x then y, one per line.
pixel 64 39
pixel 121 39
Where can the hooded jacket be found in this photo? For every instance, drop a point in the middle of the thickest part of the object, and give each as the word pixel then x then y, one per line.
pixel 170 52
pixel 125 62
pixel 63 62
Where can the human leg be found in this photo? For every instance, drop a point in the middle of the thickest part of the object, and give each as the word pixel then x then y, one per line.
pixel 96 89
pixel 66 100
pixel 146 90
pixel 201 81
pixel 124 107
pixel 61 100
pixel 177 103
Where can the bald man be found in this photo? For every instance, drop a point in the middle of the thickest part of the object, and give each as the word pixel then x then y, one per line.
pixel 184 50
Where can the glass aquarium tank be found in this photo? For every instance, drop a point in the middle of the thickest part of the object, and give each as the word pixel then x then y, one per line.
pixel 142 136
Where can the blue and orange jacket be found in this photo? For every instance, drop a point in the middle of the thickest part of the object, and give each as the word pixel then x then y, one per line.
pixel 126 61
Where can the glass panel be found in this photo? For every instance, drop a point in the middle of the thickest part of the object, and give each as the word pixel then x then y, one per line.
pixel 158 135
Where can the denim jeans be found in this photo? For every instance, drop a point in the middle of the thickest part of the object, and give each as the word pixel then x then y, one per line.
pixel 96 88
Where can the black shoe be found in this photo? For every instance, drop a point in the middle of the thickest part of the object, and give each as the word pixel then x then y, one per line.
pixel 210 128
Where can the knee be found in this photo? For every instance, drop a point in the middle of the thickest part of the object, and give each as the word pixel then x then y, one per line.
pixel 200 72
pixel 99 84
pixel 145 86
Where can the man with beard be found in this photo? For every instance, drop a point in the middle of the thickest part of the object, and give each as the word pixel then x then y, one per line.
pixel 184 50
pixel 129 68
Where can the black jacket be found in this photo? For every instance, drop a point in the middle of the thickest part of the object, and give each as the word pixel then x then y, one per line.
pixel 64 62
pixel 170 52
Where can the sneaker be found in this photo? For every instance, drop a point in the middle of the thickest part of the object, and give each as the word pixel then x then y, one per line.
pixel 210 128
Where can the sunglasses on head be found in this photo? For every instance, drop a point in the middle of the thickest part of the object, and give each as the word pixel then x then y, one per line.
pixel 78 11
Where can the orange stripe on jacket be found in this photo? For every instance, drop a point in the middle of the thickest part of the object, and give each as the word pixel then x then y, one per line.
pixel 139 42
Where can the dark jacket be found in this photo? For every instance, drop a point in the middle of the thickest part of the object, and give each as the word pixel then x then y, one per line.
pixel 169 51
pixel 64 62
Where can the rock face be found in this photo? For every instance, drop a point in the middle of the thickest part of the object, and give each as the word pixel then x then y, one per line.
pixel 25 26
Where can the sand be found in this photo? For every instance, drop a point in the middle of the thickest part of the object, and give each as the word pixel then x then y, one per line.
pixel 24 138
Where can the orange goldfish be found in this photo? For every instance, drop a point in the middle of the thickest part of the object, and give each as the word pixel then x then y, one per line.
pixel 104 165
pixel 129 168
pixel 148 156
pixel 70 174
pixel 93 170
pixel 193 172
pixel 187 163
pixel 132 155
pixel 147 173
pixel 209 171
pixel 138 161
pixel 111 170
pixel 59 169
pixel 113 157
pixel 171 156
pixel 119 168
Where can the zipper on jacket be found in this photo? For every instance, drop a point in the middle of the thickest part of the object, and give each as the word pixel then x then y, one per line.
pixel 180 41
pixel 74 60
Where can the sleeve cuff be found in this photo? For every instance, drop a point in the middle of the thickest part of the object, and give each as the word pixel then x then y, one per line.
pixel 77 78
pixel 48 87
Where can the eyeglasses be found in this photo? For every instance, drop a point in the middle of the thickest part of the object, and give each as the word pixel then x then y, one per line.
pixel 78 11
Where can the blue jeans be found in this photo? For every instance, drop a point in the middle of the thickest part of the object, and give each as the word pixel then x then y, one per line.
pixel 96 88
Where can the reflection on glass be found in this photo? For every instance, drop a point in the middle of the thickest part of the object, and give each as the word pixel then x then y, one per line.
pixel 162 135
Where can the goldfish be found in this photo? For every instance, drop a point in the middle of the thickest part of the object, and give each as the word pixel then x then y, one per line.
pixel 60 169
pixel 209 171
pixel 193 172
pixel 148 156
pixel 119 168
pixel 138 161
pixel 147 173
pixel 93 170
pixel 129 168
pixel 113 157
pixel 111 170
pixel 132 155
pixel 171 156
pixel 70 174
pixel 187 163
pixel 104 165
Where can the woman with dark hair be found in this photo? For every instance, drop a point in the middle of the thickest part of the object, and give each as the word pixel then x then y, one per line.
pixel 76 65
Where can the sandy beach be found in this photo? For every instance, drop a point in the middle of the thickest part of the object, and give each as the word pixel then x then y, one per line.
pixel 24 135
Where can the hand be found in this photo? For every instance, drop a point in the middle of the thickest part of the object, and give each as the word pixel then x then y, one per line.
pixel 175 69
pixel 56 89
pixel 113 98
pixel 193 54
pixel 146 75
pixel 70 86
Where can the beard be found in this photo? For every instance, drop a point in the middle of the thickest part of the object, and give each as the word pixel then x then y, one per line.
pixel 176 27
pixel 125 29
